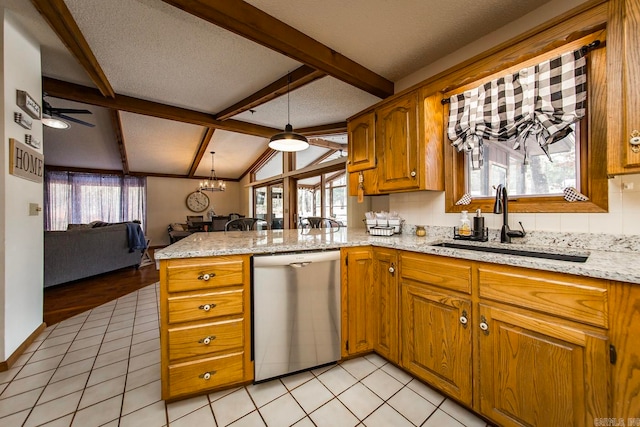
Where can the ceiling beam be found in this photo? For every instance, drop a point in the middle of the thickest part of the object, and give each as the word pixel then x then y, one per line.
pixel 87 95
pixel 252 23
pixel 56 13
pixel 296 79
pixel 330 128
pixel 319 142
pixel 204 143
pixel 117 130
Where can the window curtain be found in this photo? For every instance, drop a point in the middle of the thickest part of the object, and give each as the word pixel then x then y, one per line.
pixel 534 105
pixel 80 198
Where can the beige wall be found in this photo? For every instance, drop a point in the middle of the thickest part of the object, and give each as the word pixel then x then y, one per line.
pixel 21 265
pixel 166 203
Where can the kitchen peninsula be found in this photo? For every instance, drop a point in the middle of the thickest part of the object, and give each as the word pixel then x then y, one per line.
pixel 565 332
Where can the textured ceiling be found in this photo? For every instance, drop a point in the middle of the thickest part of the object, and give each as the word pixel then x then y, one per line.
pixel 151 50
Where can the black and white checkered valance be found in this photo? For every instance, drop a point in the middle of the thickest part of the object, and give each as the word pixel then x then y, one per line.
pixel 536 104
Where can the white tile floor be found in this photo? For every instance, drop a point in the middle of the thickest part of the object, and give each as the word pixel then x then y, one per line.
pixel 102 367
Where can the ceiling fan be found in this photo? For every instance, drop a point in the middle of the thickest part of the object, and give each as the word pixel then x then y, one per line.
pixel 57 117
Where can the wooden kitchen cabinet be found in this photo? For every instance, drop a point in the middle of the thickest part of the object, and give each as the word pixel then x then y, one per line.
pixel 623 86
pixel 541 338
pixel 407 145
pixel 536 372
pixel 385 273
pixel 205 324
pixel 358 301
pixel 362 142
pixel 435 333
pixel 398 144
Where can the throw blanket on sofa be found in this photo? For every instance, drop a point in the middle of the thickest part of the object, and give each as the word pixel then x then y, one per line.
pixel 136 237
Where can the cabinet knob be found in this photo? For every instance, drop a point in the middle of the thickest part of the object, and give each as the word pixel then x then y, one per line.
pixel 413 173
pixel 392 269
pixel 207 340
pixel 206 276
pixel 463 319
pixel 207 375
pixel 484 326
pixel 635 141
pixel 206 307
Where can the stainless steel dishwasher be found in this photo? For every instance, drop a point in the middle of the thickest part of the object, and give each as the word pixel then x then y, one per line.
pixel 296 312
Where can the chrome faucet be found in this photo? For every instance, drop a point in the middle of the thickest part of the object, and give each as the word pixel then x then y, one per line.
pixel 501 206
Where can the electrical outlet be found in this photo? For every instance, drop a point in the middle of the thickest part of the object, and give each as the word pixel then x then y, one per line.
pixel 627 185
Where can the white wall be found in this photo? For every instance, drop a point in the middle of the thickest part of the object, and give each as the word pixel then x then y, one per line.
pixel 166 203
pixel 21 265
pixel 428 207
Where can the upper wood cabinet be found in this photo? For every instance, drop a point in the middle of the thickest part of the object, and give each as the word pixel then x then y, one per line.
pixel 407 142
pixel 623 87
pixel 362 142
pixel 397 139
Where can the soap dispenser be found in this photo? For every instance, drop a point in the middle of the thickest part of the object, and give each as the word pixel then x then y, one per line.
pixel 465 224
pixel 478 223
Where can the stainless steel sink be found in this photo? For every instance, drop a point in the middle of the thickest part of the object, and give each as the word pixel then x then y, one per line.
pixel 480 247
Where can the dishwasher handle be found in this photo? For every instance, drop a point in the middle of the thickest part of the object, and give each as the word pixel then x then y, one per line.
pixel 299 264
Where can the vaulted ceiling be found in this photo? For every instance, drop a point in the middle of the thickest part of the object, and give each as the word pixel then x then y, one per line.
pixel 169 81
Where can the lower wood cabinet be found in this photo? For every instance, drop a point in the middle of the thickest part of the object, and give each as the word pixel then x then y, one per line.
pixel 436 338
pixel 540 372
pixel 205 324
pixel 386 294
pixel 358 315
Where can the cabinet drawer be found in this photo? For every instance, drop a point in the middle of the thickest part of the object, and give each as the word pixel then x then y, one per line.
pixel 185 308
pixel 190 377
pixel 571 297
pixel 190 341
pixel 200 273
pixel 436 270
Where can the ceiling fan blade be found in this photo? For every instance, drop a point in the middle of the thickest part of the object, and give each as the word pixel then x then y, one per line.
pixel 55 110
pixel 73 119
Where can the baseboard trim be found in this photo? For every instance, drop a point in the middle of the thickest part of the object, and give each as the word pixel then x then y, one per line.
pixel 4 366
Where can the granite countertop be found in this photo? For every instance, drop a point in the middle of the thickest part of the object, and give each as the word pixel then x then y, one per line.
pixel 616 262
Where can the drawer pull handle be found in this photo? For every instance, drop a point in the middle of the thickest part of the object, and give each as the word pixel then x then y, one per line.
pixel 207 375
pixel 207 307
pixel 206 276
pixel 207 340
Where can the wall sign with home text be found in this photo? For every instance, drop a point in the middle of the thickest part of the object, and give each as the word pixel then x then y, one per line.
pixel 25 162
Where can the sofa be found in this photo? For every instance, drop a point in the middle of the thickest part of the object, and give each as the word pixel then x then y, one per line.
pixel 86 251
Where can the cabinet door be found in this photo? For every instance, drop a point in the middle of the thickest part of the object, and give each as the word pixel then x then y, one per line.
pixel 386 303
pixel 398 145
pixel 540 373
pixel 358 318
pixel 623 86
pixel 362 153
pixel 436 339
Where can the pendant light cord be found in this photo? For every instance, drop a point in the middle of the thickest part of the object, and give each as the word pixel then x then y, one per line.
pixel 288 96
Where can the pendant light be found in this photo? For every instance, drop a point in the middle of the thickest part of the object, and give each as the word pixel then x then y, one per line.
pixel 213 183
pixel 288 140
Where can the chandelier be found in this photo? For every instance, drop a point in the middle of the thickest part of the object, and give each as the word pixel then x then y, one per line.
pixel 213 183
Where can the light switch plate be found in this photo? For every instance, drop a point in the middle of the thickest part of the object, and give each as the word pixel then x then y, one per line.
pixel 34 209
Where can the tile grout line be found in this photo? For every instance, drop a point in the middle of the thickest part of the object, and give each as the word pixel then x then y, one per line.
pixel 35 405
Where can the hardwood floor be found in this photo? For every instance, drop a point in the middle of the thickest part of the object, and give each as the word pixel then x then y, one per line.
pixel 64 301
